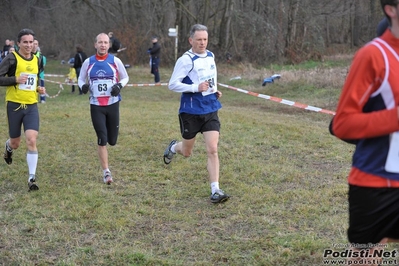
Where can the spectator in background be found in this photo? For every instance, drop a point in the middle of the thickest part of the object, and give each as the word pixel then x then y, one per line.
pixel 71 78
pixel 42 64
pixel 80 57
pixel 155 52
pixel 114 44
pixel 13 44
pixel 6 47
pixel 12 49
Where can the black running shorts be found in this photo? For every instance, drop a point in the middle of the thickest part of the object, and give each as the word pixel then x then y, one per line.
pixel 22 114
pixel 191 124
pixel 373 214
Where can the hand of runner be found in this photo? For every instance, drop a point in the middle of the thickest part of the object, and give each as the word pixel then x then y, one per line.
pixel 41 90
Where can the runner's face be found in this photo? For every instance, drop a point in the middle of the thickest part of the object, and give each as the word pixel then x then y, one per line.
pixel 35 45
pixel 26 45
pixel 102 44
pixel 199 41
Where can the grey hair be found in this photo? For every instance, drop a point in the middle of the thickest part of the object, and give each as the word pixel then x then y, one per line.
pixel 197 27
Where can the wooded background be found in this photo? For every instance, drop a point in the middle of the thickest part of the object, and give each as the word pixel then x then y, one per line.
pixel 255 31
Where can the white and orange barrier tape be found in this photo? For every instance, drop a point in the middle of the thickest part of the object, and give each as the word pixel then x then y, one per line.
pixel 259 95
pixel 147 85
pixel 59 91
pixel 279 100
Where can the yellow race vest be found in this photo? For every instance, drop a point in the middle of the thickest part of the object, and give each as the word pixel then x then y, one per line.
pixel 24 93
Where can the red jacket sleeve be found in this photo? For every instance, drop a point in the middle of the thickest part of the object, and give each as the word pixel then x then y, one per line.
pixel 364 78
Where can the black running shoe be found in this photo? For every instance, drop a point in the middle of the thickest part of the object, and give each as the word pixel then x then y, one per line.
pixel 168 154
pixel 7 155
pixel 31 183
pixel 219 196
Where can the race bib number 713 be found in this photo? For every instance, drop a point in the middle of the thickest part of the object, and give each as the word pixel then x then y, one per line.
pixel 30 84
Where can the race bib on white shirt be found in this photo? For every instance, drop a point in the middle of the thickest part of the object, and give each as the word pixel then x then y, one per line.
pixel 30 84
pixel 102 87
pixel 206 72
pixel 392 163
pixel 212 86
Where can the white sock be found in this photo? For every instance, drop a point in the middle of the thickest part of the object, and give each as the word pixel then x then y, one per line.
pixel 214 187
pixel 173 148
pixel 31 159
pixel 8 145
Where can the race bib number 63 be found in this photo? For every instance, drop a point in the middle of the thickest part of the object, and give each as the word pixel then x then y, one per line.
pixel 102 88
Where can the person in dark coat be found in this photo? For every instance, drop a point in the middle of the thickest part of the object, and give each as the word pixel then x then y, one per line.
pixel 80 57
pixel 155 52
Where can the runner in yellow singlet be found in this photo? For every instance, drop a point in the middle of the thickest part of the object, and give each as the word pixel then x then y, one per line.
pixel 19 72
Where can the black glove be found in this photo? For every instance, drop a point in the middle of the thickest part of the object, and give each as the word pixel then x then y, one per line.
pixel 116 89
pixel 85 88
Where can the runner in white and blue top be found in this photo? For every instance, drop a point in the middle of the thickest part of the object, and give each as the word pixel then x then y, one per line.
pixel 195 76
pixel 104 75
pixel 192 69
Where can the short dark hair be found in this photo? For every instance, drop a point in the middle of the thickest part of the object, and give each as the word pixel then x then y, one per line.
pixel 390 3
pixel 79 48
pixel 24 32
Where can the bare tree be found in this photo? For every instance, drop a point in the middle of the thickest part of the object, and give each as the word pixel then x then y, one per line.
pixel 256 31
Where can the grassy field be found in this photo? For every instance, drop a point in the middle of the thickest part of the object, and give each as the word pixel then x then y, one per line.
pixel 286 176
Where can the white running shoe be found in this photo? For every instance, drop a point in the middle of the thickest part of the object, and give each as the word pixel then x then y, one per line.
pixel 108 178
